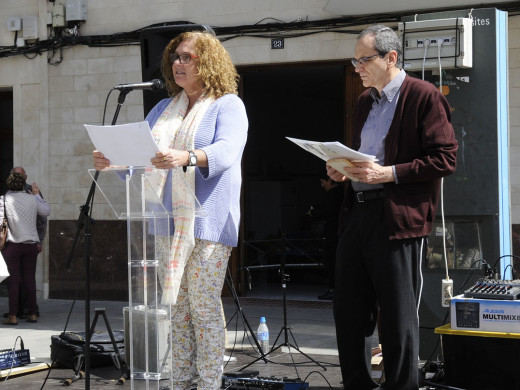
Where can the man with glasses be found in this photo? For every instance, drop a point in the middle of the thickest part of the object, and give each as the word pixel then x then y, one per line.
pixel 388 212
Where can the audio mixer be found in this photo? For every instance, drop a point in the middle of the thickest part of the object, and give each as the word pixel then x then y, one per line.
pixel 248 379
pixel 494 289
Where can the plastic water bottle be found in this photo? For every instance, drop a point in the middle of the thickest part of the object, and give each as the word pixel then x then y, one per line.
pixel 263 335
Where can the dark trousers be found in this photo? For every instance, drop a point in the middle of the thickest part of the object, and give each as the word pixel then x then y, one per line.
pixel 329 258
pixel 375 274
pixel 21 264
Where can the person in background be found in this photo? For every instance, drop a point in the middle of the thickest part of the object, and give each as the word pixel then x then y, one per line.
pixel 388 212
pixel 21 251
pixel 41 220
pixel 41 228
pixel 329 212
pixel 201 131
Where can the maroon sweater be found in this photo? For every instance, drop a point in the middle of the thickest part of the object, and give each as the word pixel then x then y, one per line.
pixel 422 146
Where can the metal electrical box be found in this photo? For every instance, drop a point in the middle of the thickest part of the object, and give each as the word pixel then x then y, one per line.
pixel 76 10
pixel 30 27
pixel 425 41
pixel 14 24
pixel 58 15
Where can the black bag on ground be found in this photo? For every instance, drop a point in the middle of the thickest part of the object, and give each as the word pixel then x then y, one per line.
pixel 67 349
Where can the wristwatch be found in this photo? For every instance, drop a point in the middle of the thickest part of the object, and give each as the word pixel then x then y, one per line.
pixel 192 160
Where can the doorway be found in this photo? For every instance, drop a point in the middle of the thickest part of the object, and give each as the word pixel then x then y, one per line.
pixel 6 150
pixel 281 181
pixel 6 137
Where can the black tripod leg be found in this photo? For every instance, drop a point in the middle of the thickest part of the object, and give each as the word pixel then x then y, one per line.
pixel 307 356
pixel 121 364
pixel 264 355
pixel 282 329
pixel 240 312
pixel 294 339
pixel 289 345
pixel 121 361
pixel 93 325
pixel 78 374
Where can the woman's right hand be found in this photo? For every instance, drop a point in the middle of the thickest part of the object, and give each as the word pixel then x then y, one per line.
pixel 100 162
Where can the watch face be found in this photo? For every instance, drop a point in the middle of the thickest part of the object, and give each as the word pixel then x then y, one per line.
pixel 193 159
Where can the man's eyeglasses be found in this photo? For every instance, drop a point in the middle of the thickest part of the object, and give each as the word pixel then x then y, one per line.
pixel 363 60
pixel 183 58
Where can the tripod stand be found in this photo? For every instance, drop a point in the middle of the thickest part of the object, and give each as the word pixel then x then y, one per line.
pixel 119 362
pixel 284 278
pixel 239 312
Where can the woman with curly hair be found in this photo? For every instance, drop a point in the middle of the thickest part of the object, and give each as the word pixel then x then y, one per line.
pixel 21 250
pixel 202 128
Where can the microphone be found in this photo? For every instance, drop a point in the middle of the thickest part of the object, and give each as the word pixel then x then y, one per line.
pixel 154 85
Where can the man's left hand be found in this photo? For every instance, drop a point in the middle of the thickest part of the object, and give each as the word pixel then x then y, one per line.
pixel 370 172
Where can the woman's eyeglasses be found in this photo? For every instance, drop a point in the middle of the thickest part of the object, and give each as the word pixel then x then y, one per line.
pixel 183 58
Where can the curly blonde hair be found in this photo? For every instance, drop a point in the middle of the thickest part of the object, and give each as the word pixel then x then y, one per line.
pixel 15 182
pixel 215 68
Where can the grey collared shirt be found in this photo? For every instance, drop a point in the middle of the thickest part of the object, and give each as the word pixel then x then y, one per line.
pixel 378 122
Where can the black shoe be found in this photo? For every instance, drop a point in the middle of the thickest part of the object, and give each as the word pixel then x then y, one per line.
pixel 327 296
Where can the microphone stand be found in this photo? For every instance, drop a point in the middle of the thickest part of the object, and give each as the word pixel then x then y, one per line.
pixel 285 330
pixel 85 221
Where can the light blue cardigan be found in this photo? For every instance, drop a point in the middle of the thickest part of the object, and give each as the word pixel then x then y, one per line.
pixel 222 135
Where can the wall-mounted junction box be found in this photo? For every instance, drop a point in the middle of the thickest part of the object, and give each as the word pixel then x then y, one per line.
pixel 58 15
pixel 421 41
pixel 30 27
pixel 76 10
pixel 14 24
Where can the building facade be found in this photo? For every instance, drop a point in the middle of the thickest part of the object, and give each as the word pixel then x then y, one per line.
pixel 53 93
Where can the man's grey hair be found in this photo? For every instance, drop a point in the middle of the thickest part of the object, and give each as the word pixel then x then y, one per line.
pixel 385 40
pixel 19 170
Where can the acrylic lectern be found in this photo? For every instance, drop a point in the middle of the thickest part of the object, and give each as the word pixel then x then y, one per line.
pixel 152 284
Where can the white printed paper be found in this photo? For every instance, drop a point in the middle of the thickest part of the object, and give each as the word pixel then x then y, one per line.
pixel 329 150
pixel 130 144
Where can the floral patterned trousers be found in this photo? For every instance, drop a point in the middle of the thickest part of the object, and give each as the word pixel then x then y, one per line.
pixel 198 325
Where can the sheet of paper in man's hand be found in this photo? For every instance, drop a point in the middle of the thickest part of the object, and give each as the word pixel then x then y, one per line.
pixel 335 154
pixel 130 144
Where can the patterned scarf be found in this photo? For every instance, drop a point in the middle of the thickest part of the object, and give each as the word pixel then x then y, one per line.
pixel 174 129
